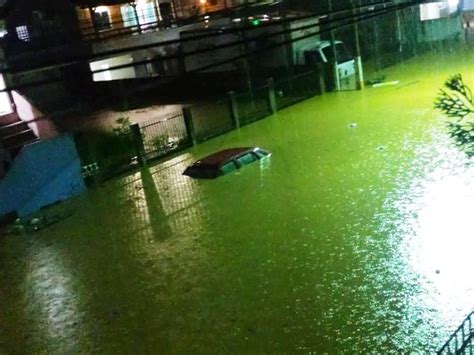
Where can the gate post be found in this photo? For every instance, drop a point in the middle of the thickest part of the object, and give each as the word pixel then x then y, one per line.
pixel 188 122
pixel 271 95
pixel 234 111
pixel 137 141
pixel 321 79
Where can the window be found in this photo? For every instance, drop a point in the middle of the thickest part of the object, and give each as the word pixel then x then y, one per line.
pixel 246 159
pixel 128 16
pixel 102 18
pixel 260 154
pixel 228 168
pixel 341 52
pixel 146 13
pixel 22 33
pixel 312 57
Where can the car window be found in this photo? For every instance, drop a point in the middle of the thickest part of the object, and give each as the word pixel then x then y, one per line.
pixel 313 57
pixel 341 52
pixel 259 154
pixel 228 168
pixel 246 159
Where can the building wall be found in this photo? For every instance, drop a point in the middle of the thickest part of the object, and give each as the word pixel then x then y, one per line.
pixel 47 22
pixel 43 173
pixel 41 125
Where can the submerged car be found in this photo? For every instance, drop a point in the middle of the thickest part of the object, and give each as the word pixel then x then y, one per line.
pixel 224 162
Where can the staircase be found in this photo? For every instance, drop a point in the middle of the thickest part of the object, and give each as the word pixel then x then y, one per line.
pixel 14 134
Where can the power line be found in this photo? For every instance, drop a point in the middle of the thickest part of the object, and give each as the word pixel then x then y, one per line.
pixel 348 21
pixel 105 54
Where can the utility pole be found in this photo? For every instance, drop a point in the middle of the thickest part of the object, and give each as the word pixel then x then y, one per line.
pixel 337 83
pixel 358 59
pixel 135 12
pixel 399 33
pixel 157 10
pixel 94 21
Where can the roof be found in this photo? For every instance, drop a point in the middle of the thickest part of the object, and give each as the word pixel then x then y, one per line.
pixel 222 156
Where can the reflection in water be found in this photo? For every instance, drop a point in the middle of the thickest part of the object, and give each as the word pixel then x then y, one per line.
pixel 52 299
pixel 433 244
pixel 333 246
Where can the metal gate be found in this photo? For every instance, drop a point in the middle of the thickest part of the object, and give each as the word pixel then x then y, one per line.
pixel 163 135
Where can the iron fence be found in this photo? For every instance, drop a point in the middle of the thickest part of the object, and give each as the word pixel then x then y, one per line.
pixel 163 135
pixel 297 88
pixel 253 105
pixel 461 341
pixel 211 119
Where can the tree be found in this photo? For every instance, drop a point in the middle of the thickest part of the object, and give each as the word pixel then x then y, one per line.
pixel 456 103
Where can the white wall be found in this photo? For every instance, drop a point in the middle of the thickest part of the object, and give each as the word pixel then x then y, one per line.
pixel 117 74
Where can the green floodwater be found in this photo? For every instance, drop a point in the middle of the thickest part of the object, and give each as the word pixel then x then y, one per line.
pixel 347 240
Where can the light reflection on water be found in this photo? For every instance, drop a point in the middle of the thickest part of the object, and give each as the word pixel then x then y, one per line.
pixel 429 225
pixel 332 245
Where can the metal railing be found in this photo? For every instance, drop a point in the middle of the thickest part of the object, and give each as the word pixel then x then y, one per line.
pixel 163 135
pixel 461 340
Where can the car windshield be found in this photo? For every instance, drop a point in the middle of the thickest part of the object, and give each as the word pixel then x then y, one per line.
pixel 341 52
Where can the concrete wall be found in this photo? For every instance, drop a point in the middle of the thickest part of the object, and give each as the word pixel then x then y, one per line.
pixel 43 173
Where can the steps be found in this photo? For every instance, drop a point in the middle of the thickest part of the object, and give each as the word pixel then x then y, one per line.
pixel 14 133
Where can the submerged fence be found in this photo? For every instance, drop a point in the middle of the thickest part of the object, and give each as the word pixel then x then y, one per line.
pixel 106 154
pixel 462 340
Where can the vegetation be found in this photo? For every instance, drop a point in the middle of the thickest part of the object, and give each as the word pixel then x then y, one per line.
pixel 161 142
pixel 456 103
pixel 111 150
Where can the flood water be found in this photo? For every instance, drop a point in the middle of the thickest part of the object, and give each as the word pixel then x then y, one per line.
pixel 351 238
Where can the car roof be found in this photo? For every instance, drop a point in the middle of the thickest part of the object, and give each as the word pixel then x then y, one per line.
pixel 218 158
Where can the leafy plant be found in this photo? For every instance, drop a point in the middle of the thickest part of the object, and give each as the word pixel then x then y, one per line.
pixel 122 126
pixel 456 102
pixel 110 150
pixel 161 142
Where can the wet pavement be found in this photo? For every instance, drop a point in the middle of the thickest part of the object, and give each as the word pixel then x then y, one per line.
pixel 353 237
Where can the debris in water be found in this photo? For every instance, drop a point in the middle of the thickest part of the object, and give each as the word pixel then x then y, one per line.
pixel 388 83
pixel 375 81
pixel 380 147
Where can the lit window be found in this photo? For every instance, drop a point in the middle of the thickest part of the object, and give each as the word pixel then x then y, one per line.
pixel 22 33
pixel 128 16
pixel 102 18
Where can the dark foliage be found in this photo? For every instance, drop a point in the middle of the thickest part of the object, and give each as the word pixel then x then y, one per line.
pixel 457 103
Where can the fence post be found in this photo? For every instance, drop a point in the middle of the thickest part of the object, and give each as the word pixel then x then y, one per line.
pixel 271 95
pixel 234 110
pixel 321 79
pixel 138 143
pixel 359 73
pixel 188 122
